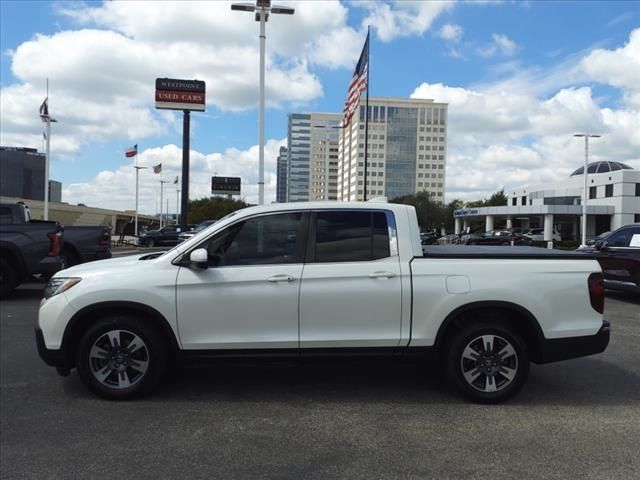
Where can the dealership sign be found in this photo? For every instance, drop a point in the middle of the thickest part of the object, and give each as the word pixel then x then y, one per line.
pixel 225 185
pixel 465 212
pixel 175 94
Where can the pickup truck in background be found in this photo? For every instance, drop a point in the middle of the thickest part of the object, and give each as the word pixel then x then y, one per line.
pixel 167 235
pixel 27 249
pixel 326 278
pixel 81 244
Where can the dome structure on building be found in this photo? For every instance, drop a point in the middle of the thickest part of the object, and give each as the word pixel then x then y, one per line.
pixel 604 166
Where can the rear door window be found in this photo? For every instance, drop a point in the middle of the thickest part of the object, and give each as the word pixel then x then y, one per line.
pixel 350 236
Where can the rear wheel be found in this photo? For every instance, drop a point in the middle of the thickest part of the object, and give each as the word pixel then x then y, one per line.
pixel 121 357
pixel 71 258
pixel 8 278
pixel 488 363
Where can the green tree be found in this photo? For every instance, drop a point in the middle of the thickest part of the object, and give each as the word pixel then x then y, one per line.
pixel 212 208
pixel 498 199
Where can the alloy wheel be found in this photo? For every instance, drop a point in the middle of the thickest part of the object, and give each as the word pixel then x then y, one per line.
pixel 119 359
pixel 489 363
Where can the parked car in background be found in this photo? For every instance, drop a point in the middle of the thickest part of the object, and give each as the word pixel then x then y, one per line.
pixel 167 235
pixel 27 248
pixel 201 226
pixel 449 239
pixel 429 238
pixel 619 257
pixel 602 236
pixel 537 235
pixel 496 237
pixel 81 243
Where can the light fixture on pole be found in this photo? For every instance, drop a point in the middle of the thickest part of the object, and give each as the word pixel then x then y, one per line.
pixel 587 136
pixel 262 9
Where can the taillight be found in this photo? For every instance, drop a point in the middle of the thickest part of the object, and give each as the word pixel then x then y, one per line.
pixel 54 243
pixel 596 292
pixel 105 238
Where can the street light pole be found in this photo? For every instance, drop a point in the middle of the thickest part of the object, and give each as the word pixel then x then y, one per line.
pixel 138 168
pixel 586 136
pixel 262 9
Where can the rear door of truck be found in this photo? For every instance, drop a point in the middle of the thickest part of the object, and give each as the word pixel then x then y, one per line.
pixel 351 295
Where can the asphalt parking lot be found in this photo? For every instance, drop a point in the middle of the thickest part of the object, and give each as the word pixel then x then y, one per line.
pixel 394 419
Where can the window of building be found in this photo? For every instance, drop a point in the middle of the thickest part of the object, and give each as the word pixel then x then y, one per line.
pixel 362 113
pixel 351 236
pixel 637 189
pixel 420 175
pixel 382 114
pixel 514 201
pixel 524 200
pixel 608 190
pixel 593 192
pixel 420 184
pixel 375 113
pixel 269 239
pixel 429 117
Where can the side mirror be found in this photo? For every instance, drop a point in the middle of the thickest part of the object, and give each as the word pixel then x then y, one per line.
pixel 600 245
pixel 199 258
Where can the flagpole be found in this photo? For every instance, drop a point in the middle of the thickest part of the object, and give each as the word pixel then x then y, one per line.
pixel 177 206
pixel 366 120
pixel 161 189
pixel 46 161
pixel 138 168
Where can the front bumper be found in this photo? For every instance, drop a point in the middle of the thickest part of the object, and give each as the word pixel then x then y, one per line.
pixel 53 358
pixel 558 349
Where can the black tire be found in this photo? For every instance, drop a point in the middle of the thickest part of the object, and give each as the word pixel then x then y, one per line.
pixel 107 365
pixel 71 258
pixel 494 374
pixel 8 278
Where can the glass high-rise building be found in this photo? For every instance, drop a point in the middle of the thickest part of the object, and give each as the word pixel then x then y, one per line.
pixel 406 151
pixel 22 173
pixel 281 175
pixel 312 156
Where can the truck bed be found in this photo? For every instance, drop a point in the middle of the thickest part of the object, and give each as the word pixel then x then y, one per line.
pixel 495 251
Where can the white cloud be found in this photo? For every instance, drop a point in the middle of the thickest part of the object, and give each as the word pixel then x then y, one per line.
pixel 619 68
pixel 115 189
pixel 501 44
pixel 505 139
pixel 402 18
pixel 450 32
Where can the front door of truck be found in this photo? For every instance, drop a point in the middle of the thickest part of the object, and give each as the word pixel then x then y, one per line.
pixel 248 296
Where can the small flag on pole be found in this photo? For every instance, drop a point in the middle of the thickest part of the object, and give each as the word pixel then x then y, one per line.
pixel 132 151
pixel 358 84
pixel 157 168
pixel 44 108
pixel 175 182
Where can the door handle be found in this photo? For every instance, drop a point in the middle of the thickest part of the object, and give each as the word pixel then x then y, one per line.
pixel 281 278
pixel 382 275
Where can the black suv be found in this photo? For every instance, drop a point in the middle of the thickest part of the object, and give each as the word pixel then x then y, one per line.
pixel 619 257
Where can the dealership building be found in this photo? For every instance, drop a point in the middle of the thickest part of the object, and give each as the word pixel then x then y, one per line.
pixel 613 200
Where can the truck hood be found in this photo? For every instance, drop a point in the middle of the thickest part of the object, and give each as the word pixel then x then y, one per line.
pixel 100 266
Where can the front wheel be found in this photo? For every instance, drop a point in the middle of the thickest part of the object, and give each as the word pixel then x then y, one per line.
pixel 488 363
pixel 121 357
pixel 8 278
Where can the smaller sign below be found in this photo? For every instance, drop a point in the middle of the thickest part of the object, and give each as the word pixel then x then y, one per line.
pixel 225 185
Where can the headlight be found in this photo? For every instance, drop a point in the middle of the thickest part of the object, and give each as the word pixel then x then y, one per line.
pixel 59 285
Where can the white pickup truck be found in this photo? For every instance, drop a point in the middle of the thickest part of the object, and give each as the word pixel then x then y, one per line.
pixel 323 278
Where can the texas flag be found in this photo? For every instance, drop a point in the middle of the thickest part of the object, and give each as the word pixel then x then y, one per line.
pixel 131 152
pixel 157 168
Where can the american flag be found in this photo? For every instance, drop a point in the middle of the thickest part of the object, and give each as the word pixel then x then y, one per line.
pixel 358 84
pixel 157 168
pixel 175 182
pixel 44 110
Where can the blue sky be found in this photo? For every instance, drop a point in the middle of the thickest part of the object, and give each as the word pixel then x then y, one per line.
pixel 519 77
